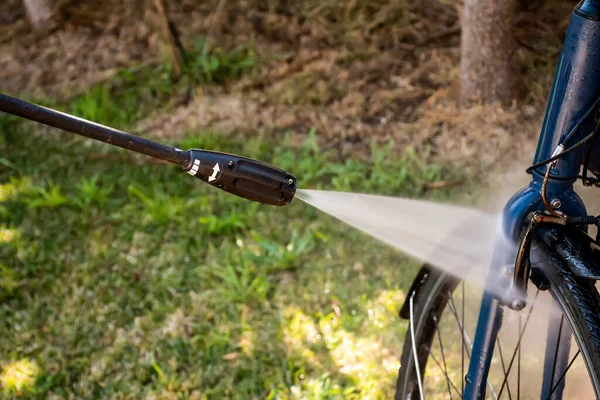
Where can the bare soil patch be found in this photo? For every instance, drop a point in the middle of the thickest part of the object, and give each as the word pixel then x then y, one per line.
pixel 356 71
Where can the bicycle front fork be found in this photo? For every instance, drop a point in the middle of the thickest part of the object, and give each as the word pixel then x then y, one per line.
pixel 489 322
pixel 488 326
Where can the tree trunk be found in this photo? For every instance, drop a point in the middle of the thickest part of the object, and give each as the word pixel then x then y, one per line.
pixel 41 15
pixel 488 68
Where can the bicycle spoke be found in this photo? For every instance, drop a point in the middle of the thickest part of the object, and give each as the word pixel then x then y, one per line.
pixel 502 372
pixel 521 332
pixel 519 367
pixel 447 377
pixel 466 341
pixel 414 346
pixel 437 327
pixel 564 373
pixel 467 344
pixel 462 379
pixel 503 367
pixel 560 326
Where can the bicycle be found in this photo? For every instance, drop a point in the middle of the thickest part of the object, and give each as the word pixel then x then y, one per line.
pixel 548 223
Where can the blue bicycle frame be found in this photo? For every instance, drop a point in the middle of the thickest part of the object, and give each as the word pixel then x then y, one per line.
pixel 572 106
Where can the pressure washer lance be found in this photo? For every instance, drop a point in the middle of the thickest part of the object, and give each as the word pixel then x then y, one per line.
pixel 241 176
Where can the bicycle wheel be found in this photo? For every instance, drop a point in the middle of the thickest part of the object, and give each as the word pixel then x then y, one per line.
pixel 442 323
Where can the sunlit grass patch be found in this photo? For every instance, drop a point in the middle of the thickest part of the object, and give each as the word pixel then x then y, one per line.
pixel 300 327
pixel 19 376
pixel 362 355
pixel 322 387
pixel 7 235
pixel 247 341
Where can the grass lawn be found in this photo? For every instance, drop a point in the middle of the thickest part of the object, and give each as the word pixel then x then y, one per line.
pixel 124 278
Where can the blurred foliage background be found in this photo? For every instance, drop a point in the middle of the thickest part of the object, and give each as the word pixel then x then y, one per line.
pixel 121 277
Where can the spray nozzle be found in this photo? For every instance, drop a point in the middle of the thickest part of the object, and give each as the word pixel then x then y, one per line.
pixel 243 177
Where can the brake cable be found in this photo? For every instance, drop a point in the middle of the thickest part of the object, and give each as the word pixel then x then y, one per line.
pixel 558 154
pixel 522 266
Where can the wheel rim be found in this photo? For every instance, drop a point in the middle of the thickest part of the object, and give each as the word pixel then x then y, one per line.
pixel 516 371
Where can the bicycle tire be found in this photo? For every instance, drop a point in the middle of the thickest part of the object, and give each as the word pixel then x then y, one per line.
pixel 577 298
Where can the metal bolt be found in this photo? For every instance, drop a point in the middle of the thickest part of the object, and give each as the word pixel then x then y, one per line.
pixel 556 203
pixel 231 163
pixel 518 304
pixel 290 181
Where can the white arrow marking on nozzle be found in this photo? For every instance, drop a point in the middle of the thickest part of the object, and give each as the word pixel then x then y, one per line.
pixel 216 171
